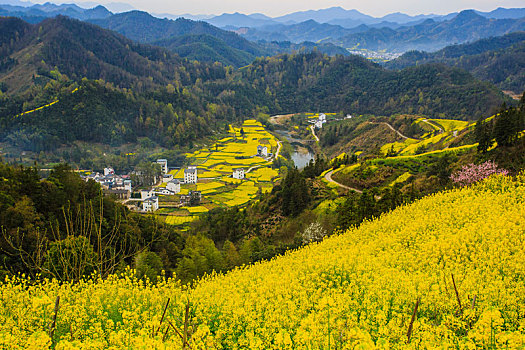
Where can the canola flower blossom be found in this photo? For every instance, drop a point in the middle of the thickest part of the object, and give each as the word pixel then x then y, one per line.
pixel 353 290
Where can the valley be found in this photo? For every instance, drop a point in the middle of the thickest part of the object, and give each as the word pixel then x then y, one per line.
pixel 309 180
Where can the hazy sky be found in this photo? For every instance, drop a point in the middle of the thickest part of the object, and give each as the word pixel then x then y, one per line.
pixel 280 7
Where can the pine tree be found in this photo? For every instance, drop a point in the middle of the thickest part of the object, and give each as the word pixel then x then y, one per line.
pixel 483 135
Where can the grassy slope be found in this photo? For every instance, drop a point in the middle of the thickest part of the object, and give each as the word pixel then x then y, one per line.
pixel 359 287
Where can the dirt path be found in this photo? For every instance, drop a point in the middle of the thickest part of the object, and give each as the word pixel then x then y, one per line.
pixel 433 125
pixel 392 128
pixel 328 177
pixel 313 133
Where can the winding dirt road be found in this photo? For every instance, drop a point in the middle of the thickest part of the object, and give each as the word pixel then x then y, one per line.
pixel 391 128
pixel 328 177
pixel 313 133
pixel 433 125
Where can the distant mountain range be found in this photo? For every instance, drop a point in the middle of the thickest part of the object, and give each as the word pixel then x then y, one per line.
pixel 236 39
pixel 130 90
pixel 37 13
pixel 431 35
pixel 200 40
pixel 345 18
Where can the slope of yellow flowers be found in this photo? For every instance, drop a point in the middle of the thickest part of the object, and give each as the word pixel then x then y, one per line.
pixel 355 290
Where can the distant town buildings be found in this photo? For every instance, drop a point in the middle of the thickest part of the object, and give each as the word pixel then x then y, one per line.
pixel 190 175
pixel 262 151
pixel 238 173
pixel 109 171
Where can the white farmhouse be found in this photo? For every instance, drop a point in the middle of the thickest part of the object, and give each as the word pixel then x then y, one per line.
pixel 150 204
pixel 190 175
pixel 238 173
pixel 262 151
pixel 164 191
pixel 163 165
pixel 167 177
pixel 145 194
pixel 174 186
pixel 109 171
pixel 127 185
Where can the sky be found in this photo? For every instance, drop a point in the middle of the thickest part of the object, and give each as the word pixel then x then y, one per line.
pixel 275 8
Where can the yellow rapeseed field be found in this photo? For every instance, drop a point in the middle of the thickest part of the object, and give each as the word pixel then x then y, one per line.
pixel 460 253
pixel 219 160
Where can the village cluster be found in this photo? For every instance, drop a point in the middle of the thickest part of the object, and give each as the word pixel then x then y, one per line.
pixel 120 185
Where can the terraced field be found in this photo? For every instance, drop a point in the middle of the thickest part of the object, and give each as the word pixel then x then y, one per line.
pixel 215 166
pixel 441 132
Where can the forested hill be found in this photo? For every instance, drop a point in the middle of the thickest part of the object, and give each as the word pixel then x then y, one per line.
pixel 79 50
pixel 228 47
pixel 316 82
pixel 500 60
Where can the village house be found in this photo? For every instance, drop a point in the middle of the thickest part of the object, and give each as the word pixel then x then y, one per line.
pixel 145 194
pixel 320 121
pixel 164 191
pixel 167 178
pixel 163 165
pixel 191 199
pixel 150 204
pixel 174 185
pixel 238 173
pixel 111 183
pixel 190 175
pixel 262 151
pixel 118 193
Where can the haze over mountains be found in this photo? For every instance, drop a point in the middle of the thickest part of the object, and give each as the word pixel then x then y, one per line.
pixel 237 39
pixel 348 29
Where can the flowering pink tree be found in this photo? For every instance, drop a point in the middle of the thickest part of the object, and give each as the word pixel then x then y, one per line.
pixel 472 173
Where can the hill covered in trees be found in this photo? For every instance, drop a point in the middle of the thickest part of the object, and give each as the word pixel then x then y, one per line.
pixel 500 60
pixel 313 82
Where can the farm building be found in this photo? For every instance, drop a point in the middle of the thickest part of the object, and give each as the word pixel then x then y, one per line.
pixel 145 194
pixel 191 199
pixel 238 173
pixel 174 185
pixel 150 204
pixel 167 177
pixel 190 175
pixel 262 151
pixel 164 191
pixel 163 165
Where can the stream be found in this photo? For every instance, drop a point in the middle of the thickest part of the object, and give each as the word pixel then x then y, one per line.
pixel 302 153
